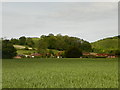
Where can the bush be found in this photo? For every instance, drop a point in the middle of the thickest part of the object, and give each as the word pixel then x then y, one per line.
pixel 8 51
pixel 73 52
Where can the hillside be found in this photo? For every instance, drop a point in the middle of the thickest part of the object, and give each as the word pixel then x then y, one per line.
pixel 35 40
pixel 106 44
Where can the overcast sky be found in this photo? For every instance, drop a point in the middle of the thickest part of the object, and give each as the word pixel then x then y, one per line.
pixel 87 20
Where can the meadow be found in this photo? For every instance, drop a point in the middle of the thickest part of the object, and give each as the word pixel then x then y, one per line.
pixel 60 73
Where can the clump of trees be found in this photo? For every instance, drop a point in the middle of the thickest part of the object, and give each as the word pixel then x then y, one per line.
pixel 61 43
pixel 73 46
pixel 73 52
pixel 8 51
pixel 57 42
pixel 23 41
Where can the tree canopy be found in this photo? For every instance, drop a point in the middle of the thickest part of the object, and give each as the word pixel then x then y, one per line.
pixel 73 52
pixel 60 42
pixel 8 51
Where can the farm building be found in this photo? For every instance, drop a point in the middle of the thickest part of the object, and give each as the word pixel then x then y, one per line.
pixel 100 55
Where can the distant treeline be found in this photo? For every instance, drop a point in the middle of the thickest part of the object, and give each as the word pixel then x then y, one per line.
pixel 108 45
pixel 51 41
pixel 72 46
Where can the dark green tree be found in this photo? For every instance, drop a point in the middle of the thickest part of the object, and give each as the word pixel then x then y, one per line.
pixel 51 42
pixel 86 46
pixel 14 41
pixel 117 52
pixel 8 51
pixel 51 34
pixel 73 52
pixel 42 44
pixel 22 40
pixel 30 42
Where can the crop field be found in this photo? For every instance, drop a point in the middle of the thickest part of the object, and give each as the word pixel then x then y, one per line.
pixel 60 73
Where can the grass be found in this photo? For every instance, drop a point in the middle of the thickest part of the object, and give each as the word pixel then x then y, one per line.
pixel 60 73
pixel 26 51
pixel 106 44
pixel 33 51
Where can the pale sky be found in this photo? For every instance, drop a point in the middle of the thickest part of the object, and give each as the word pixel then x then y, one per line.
pixel 87 20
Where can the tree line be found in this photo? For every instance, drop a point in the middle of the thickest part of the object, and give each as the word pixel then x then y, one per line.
pixel 58 42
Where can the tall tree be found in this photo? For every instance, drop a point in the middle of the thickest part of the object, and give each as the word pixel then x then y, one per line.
pixel 8 51
pixel 30 42
pixel 73 52
pixel 14 41
pixel 42 44
pixel 22 40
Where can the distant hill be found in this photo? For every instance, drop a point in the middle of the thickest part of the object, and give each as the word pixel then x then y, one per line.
pixel 106 44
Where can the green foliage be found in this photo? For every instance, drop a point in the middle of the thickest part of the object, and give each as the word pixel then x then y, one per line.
pixel 73 52
pixel 36 42
pixel 8 51
pixel 30 42
pixel 51 41
pixel 51 52
pixel 86 46
pixel 60 73
pixel 42 44
pixel 61 43
pixel 14 41
pixel 26 51
pixel 117 52
pixel 107 45
pixel 22 40
pixel 42 51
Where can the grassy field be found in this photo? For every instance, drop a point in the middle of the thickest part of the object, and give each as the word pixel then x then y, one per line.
pixel 26 51
pixel 33 51
pixel 106 44
pixel 60 73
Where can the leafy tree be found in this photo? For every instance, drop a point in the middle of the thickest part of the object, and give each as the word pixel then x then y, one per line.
pixel 51 34
pixel 51 42
pixel 14 41
pixel 73 52
pixel 8 51
pixel 43 36
pixel 42 44
pixel 60 42
pixel 51 52
pixel 30 42
pixel 86 46
pixel 22 40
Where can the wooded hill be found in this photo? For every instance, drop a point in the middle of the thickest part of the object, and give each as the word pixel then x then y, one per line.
pixel 62 43
pixel 54 45
pixel 49 42
pixel 106 45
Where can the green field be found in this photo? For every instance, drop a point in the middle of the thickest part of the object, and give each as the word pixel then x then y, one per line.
pixel 60 73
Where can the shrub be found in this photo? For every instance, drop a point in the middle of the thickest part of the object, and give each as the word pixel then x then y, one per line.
pixel 73 52
pixel 8 51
